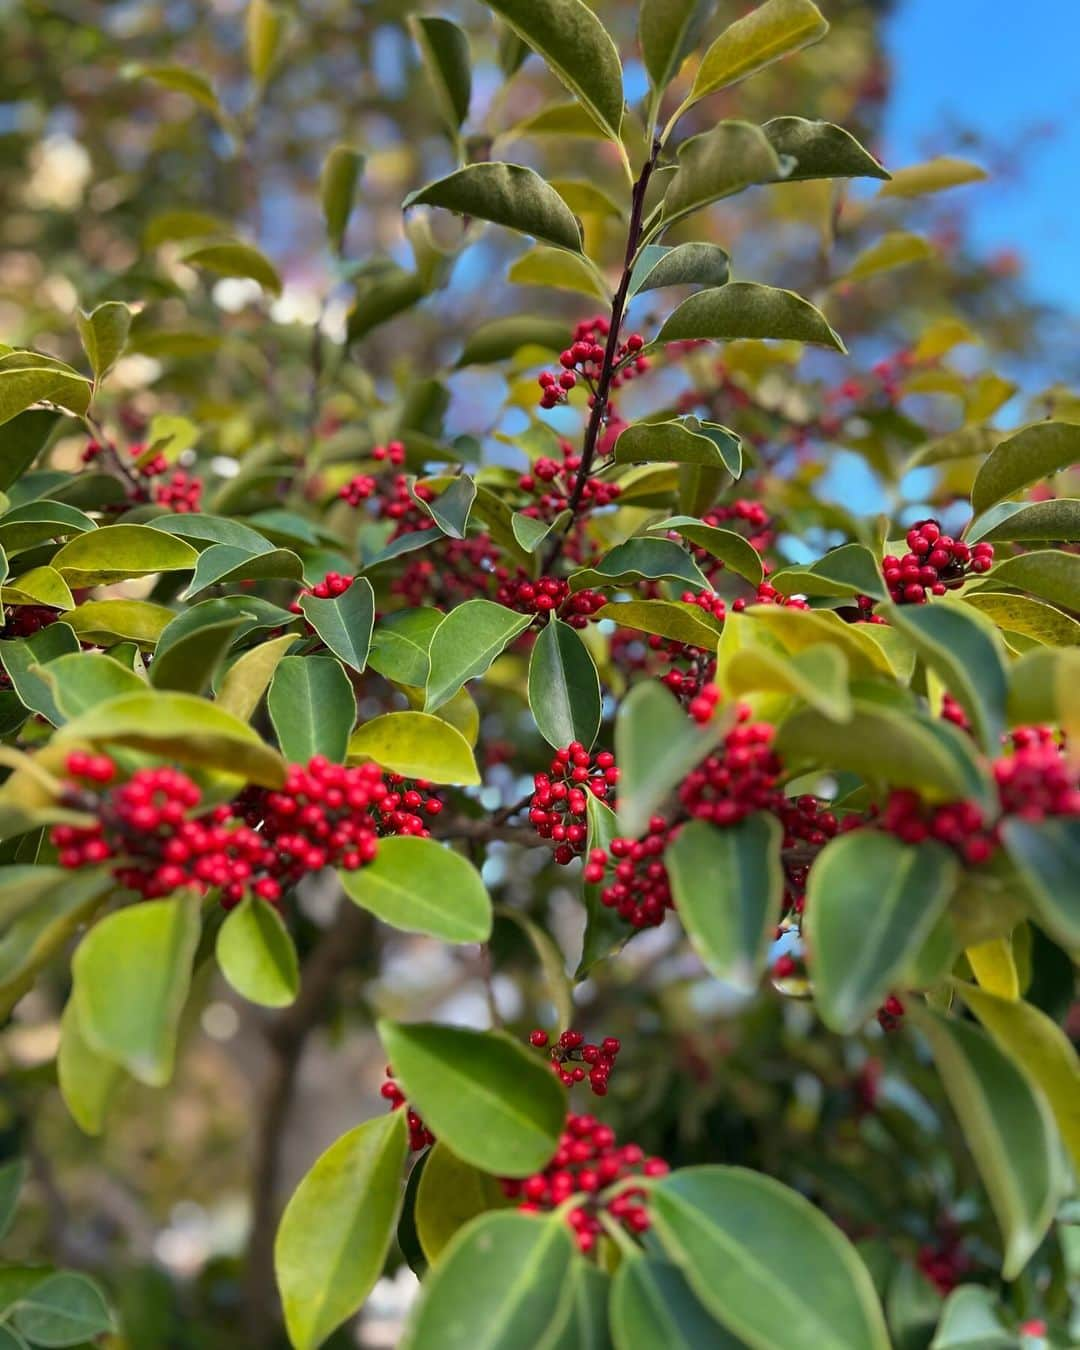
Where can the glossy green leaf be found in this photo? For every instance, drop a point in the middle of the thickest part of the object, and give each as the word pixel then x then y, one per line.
pixel 683 440
pixel 489 1097
pixel 1055 520
pixel 505 194
pixel 1026 457
pixel 334 1236
pixel 499 339
pixel 464 645
pixel 25 436
pixel 818 674
pixel 730 1230
pixel 1008 1128
pixel 966 651
pixel 36 521
pixel 451 1193
pixel 87 1079
pixel 450 509
pixel 573 42
pixel 344 622
pixel 181 727
pixel 605 930
pixel 337 188
pixel 39 586
pixel 420 886
pixel 934 175
pixel 26 379
pixel 132 972
pixel 445 52
pixel 670 619
pixel 104 332
pixel 730 548
pixel 642 559
pixel 553 267
pixel 120 552
pixel 656 746
pixel 222 564
pixel 872 902
pixel 820 150
pixel 65 1309
pixel 312 707
pixel 231 258
pixel 400 644
pixel 587 1327
pixel 1046 855
pixel 850 569
pixel 190 663
pixel 257 956
pixel 893 250
pixel 1049 573
pixel 718 163
pixel 653 1308
pixel 970 1321
pixel 743 309
pixel 81 680
pixel 241 688
pixel 772 30
pixel 531 533
pixel 667 32
pixel 503 1283
pixel 659 265
pixel 25 660
pixel 728 885
pixel 564 687
pixel 1014 613
pixel 417 745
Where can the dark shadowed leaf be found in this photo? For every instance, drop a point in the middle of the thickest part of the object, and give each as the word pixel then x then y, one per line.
pixel 564 687
pixel 505 194
pixel 683 265
pixel 727 159
pixel 743 309
pixel 445 51
pixel 1031 454
pixel 820 150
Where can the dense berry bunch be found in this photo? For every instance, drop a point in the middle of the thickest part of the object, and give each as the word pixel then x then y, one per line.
pixel 1037 780
pixel 944 1261
pixel 180 492
pixel 419 1134
pixel 738 778
pixel 399 811
pixel 574 1058
pixel 960 825
pixel 936 563
pixel 585 358
pixel 550 483
pixel 24 620
pixel 641 890
pixel 549 595
pixel 769 595
pixel 461 570
pixel 587 1162
pixel 560 797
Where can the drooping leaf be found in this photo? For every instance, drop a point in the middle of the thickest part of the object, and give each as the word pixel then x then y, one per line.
pixel 344 622
pixel 451 1193
pixel 104 332
pixel 551 962
pixel 464 645
pixel 1057 519
pixel 818 674
pixel 667 31
pixel 1049 573
pixel 820 150
pixel 893 250
pixel 743 309
pixel 26 379
pixel 232 258
pixel 718 163
pixel 729 1229
pixel 659 265
pixel 445 52
pixel 312 707
pixel 450 508
pixel 335 1233
pixel 641 559
pixel 257 955
pixel 728 884
pixel 605 930
pixel 39 586
pixel 554 268
pixel 683 440
pixel 872 901
pixel 337 187
pixel 730 548
pixel 495 1104
pixel 1046 855
pixel 420 886
pixel 934 175
pixel 1024 458
pixel 248 678
pixel 506 194
pixel 264 27
pixel 120 552
pixel 67 1308
pixel 656 745
pixel 670 619
pixel 564 687
pixel 190 663
pixel 772 30
pixel 417 745
pixel 25 436
pixel 181 79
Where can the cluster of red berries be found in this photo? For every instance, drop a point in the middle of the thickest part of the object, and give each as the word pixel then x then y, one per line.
pixel 944 1262
pixel 363 485
pixel 331 586
pixel 464 569
pixel 147 468
pixel 641 890
pixel 25 620
pixel 959 825
pixel 738 778
pixel 181 493
pixel 551 483
pixel 559 803
pixel 936 563
pixel 862 611
pixel 585 357
pixel 587 1163
pixel 549 595
pixel 419 1134
pixel 574 1059
pixel 890 1014
pixel 397 811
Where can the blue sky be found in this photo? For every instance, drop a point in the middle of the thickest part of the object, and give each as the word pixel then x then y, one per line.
pixel 1004 69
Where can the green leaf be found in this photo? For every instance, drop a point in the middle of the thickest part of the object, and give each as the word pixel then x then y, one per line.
pixel 730 548
pixel 451 1193
pixel 312 707
pixel 564 687
pixel 562 120
pixel 87 1079
pixel 10 1341
pixel 551 267
pixel 190 662
pixel 1057 519
pixel 495 1103
pixel 345 622
pixel 872 902
pixel 24 660
pixel 12 1176
pixel 257 955
pixel 450 509
pixel 605 931
pixel 718 163
pixel 1014 613
pixel 132 972
pixel 653 1308
pixel 966 651
pixel 184 728
pixel 381 297
pixel 39 586
pixel 222 563
pixel 1040 1048
pixel 445 52
pixel 231 258
pixel 120 552
pixel 26 378
pixel 670 619
pixel 503 1283
pixel 1026 457
pixel 819 675
pixel 420 886
pixel 337 189
pixel 961 444
pixel 683 440
pixel 1049 573
pixel 505 194
pixel 584 198
pixel 850 569
pixel 104 333
pixel 587 1326
pixel 24 439
pixel 1047 857
pixel 181 80
pixel 642 559
pixel 730 1230
pixel 932 176
pixel 264 25
pixel 890 251
pixel 575 45
pixel 743 309
pixel 65 1309
pixel 335 1233
pixel 728 885
pixel 247 679
pixel 820 150
pixel 1044 686
pixel 667 32
pixel 400 643
pixel 81 680
pixel 500 339
pixel 44 928
pixel 683 265
pixel 773 30
pixel 531 533
pixel 464 645
pixel 1008 1128
pixel 417 745
pixel 37 521
pixel 656 746
pixel 970 1321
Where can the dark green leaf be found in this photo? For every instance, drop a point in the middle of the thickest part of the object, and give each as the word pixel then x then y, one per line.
pixel 1049 573
pixel 1026 457
pixel 680 441
pixel 24 438
pixel 445 50
pixel 718 163
pixel 190 663
pixel 667 32
pixel 850 569
pixel 564 687
pixel 642 559
pixel 820 150
pixel 451 1193
pixel 380 297
pixel 506 194
pixel 1057 519
pixel 313 708
pixel 104 332
pixel 684 265
pixel 231 258
pixel 420 886
pixel 730 548
pixel 743 309
pixel 605 930
pixel 344 622
pixel 223 563
pixel 24 660
pixel 337 186
pixel 751 43
pixel 12 1176
pixel 501 338
pixel 464 645
pixel 450 508
pixel 400 643
pixel 65 1309
pixel 1046 854
pixel 34 522
pixel 653 1308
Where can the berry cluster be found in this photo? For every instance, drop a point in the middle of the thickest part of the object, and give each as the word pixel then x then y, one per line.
pixel 960 825
pixel 551 484
pixel 560 797
pixel 396 812
pixel 181 493
pixel 573 1058
pixel 24 620
pixel 419 1134
pixel 363 485
pixel 890 1014
pixel 549 595
pixel 587 1162
pixel 936 563
pixel 944 1262
pixel 737 779
pixel 641 890
pixel 585 357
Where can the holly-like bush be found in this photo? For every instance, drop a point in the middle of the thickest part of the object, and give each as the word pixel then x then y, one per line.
pixel 540 645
